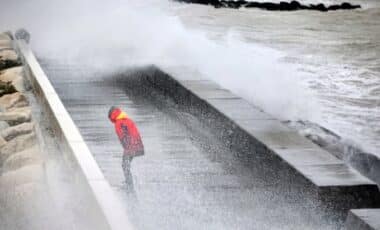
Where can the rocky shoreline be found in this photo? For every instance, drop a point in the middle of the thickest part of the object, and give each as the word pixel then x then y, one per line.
pixel 282 6
pixel 21 162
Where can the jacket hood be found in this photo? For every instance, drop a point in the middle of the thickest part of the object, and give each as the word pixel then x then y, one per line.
pixel 113 114
pixel 116 114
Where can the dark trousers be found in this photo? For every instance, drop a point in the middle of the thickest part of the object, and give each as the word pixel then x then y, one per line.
pixel 126 165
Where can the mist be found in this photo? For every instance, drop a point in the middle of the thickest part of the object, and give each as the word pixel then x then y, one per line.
pixel 110 35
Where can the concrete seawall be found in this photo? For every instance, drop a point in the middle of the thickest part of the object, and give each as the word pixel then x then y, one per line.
pixel 286 157
pixel 363 219
pixel 107 211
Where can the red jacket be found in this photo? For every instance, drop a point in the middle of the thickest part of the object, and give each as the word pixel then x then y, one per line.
pixel 128 134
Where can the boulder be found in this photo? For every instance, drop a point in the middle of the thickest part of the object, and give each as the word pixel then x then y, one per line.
pixel 294 5
pixel 272 6
pixel 252 5
pixel 15 76
pixel 215 3
pixel 20 104
pixel 11 73
pixel 3 125
pixel 3 142
pixel 234 5
pixel 319 7
pixel 26 157
pixel 5 45
pixel 17 144
pixel 284 6
pixel 14 131
pixel 334 7
pixel 8 59
pixel 16 116
pixel 290 6
pixel 6 88
pixel 5 36
pixel 8 54
pixel 27 174
pixel 348 6
pixel 13 100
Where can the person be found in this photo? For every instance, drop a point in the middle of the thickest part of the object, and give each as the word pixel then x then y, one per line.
pixel 130 140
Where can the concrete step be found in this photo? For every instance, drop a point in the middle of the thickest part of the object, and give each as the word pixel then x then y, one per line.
pixel 363 219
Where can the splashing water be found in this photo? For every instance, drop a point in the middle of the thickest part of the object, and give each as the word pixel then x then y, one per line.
pixel 116 34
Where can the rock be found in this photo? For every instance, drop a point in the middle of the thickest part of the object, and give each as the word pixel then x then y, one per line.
pixel 234 5
pixel 5 36
pixel 3 142
pixel 8 59
pixel 14 75
pixel 6 63
pixel 11 73
pixel 348 6
pixel 6 88
pixel 19 84
pixel 253 5
pixel 295 5
pixel 27 174
pixel 334 7
pixel 17 144
pixel 8 54
pixel 241 3
pixel 26 157
pixel 16 115
pixel 13 100
pixel 5 45
pixel 319 7
pixel 270 6
pixel 215 3
pixel 14 131
pixel 282 6
pixel 3 125
pixel 20 104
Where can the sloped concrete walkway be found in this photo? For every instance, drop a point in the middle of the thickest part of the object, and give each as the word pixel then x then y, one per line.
pixel 40 188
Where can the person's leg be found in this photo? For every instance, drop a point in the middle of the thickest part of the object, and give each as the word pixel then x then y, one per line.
pixel 126 165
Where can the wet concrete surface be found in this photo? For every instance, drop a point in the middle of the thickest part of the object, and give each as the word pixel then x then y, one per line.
pixel 363 219
pixel 187 179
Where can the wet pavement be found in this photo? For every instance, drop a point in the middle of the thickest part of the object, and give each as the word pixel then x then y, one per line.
pixel 187 179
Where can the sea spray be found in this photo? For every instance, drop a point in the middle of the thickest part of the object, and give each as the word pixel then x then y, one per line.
pixel 115 34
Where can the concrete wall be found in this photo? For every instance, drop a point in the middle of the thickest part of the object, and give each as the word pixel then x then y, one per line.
pixel 290 160
pixel 363 219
